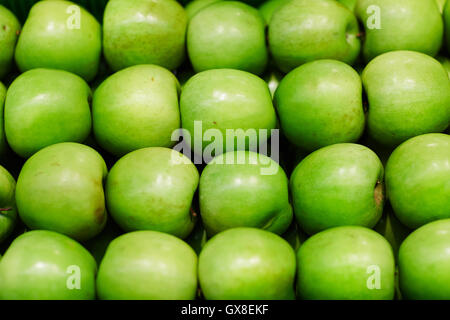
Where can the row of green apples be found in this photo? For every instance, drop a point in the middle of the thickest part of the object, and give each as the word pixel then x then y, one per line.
pixel 60 188
pixel 219 34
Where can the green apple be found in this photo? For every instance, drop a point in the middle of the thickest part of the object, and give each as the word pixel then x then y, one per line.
pixel 418 179
pixel 8 210
pixel 445 63
pixel 346 263
pixel 148 265
pixel 351 4
pixel 44 107
pixel 414 25
pixel 60 35
pixel 9 32
pixel 247 264
pixel 446 15
pixel 152 189
pixel 3 143
pixel 214 99
pixel 338 185
pixel 60 188
pixel 320 103
pixel 227 34
pixel 424 262
pixel 45 265
pixel 441 5
pixel 408 94
pixel 144 32
pixel 267 8
pixel 136 108
pixel 392 229
pixel 305 30
pixel 193 7
pixel 235 192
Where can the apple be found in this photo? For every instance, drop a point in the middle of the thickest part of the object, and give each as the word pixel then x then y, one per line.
pixel 227 34
pixel 196 5
pixel 247 264
pixel 305 30
pixel 414 25
pixel 148 265
pixel 60 188
pixel 9 32
pixel 320 103
pixel 345 263
pixel 408 94
pixel 441 5
pixel 351 4
pixel 214 99
pixel 3 143
pixel 446 14
pixel 338 185
pixel 152 189
pixel 267 8
pixel 417 179
pixel 8 210
pixel 144 32
pixel 44 107
pixel 45 265
pixel 424 261
pixel 445 63
pixel 136 108
pixel 60 35
pixel 234 192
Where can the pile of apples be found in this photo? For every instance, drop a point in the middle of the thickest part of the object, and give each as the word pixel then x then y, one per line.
pixel 351 99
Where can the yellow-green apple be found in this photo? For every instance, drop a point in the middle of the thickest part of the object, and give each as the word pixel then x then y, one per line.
pixel 152 189
pixel 227 34
pixel 60 35
pixel 60 188
pixel 136 108
pixel 196 5
pixel 44 107
pixel 8 210
pixel 45 265
pixel 418 179
pixel 408 94
pixel 247 264
pixel 338 185
pixel 267 8
pixel 320 103
pixel 305 30
pixel 144 32
pixel 424 262
pixel 235 192
pixel 148 265
pixel 9 31
pixel 389 26
pixel 345 263
pixel 215 99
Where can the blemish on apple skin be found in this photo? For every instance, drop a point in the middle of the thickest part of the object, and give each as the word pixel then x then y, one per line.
pixel 378 194
pixel 214 122
pixel 99 216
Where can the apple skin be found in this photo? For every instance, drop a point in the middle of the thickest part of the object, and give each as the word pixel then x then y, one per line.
pixel 144 32
pixel 8 213
pixel 441 5
pixel 351 4
pixel 148 265
pixel 446 14
pixel 414 25
pixel 227 34
pixel 193 7
pixel 334 265
pixel 424 261
pixel 338 185
pixel 35 267
pixel 418 179
pixel 136 108
pixel 46 41
pixel 320 103
pixel 445 63
pixel 8 37
pixel 44 107
pixel 216 97
pixel 3 143
pixel 267 8
pixel 60 188
pixel 152 189
pixel 406 85
pixel 236 194
pixel 247 264
pixel 305 30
